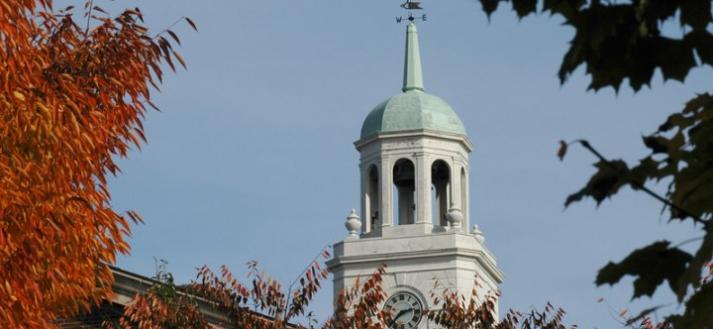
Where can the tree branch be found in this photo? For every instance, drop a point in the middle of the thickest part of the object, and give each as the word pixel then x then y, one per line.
pixel 638 185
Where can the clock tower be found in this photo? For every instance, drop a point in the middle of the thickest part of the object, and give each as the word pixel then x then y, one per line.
pixel 414 203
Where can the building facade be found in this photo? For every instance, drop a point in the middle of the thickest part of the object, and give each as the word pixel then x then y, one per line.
pixel 415 208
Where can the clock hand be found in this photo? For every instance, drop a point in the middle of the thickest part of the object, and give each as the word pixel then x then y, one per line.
pixel 402 312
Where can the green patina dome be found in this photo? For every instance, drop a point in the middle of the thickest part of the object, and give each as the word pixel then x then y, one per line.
pixel 412 110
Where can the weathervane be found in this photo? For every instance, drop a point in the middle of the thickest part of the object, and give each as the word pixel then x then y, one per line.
pixel 410 6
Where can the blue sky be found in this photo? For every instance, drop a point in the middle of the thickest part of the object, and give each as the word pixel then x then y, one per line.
pixel 251 157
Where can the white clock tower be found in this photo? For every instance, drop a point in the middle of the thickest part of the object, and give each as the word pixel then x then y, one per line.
pixel 414 203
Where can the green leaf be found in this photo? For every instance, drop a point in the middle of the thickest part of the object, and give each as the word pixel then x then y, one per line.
pixel 609 178
pixel 489 6
pixel 657 144
pixel 675 120
pixel 651 265
pixel 692 276
pixel 696 13
pixel 702 41
pixel 704 100
pixel 566 8
pixel 653 11
pixel 693 189
pixel 647 168
pixel 675 57
pixel 699 311
pixel 524 7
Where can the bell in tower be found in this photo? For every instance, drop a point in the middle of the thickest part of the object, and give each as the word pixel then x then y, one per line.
pixel 405 185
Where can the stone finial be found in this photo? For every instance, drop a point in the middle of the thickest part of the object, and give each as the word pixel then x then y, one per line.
pixel 478 234
pixel 454 217
pixel 353 223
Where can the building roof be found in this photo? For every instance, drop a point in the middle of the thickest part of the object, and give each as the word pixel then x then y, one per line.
pixel 126 286
pixel 413 109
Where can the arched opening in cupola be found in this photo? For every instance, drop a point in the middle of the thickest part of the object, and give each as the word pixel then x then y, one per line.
pixel 404 190
pixel 372 199
pixel 440 184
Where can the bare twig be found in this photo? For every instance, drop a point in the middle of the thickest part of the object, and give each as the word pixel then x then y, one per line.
pixel 169 27
pixel 289 290
pixel 89 16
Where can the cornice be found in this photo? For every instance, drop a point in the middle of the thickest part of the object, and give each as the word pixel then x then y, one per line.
pixel 464 140
pixel 481 256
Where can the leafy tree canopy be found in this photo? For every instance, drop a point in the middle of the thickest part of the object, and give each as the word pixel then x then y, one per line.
pixel 623 40
pixel 73 94
pixel 619 40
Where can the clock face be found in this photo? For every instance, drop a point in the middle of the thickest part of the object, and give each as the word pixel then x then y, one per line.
pixel 406 310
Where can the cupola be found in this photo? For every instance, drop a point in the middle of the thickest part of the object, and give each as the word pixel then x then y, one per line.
pixel 413 109
pixel 414 159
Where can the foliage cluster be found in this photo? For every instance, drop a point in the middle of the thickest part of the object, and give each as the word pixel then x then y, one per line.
pixel 72 98
pixel 625 40
pixel 261 303
pixel 163 306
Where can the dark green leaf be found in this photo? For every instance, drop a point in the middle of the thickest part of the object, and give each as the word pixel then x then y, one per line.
pixel 524 7
pixel 675 57
pixel 652 11
pixel 692 276
pixel 702 41
pixel 696 13
pixel 566 8
pixel 489 6
pixel 647 168
pixel 699 311
pixel 651 265
pixel 609 178
pixel 657 144
pixel 701 101
pixel 674 120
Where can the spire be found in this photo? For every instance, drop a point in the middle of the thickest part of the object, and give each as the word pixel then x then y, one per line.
pixel 413 77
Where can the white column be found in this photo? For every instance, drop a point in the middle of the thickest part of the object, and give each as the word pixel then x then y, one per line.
pixel 385 211
pixel 365 218
pixel 466 211
pixel 423 188
pixel 454 195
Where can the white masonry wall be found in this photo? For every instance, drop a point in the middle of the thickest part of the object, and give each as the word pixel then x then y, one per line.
pixel 414 263
pixel 416 255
